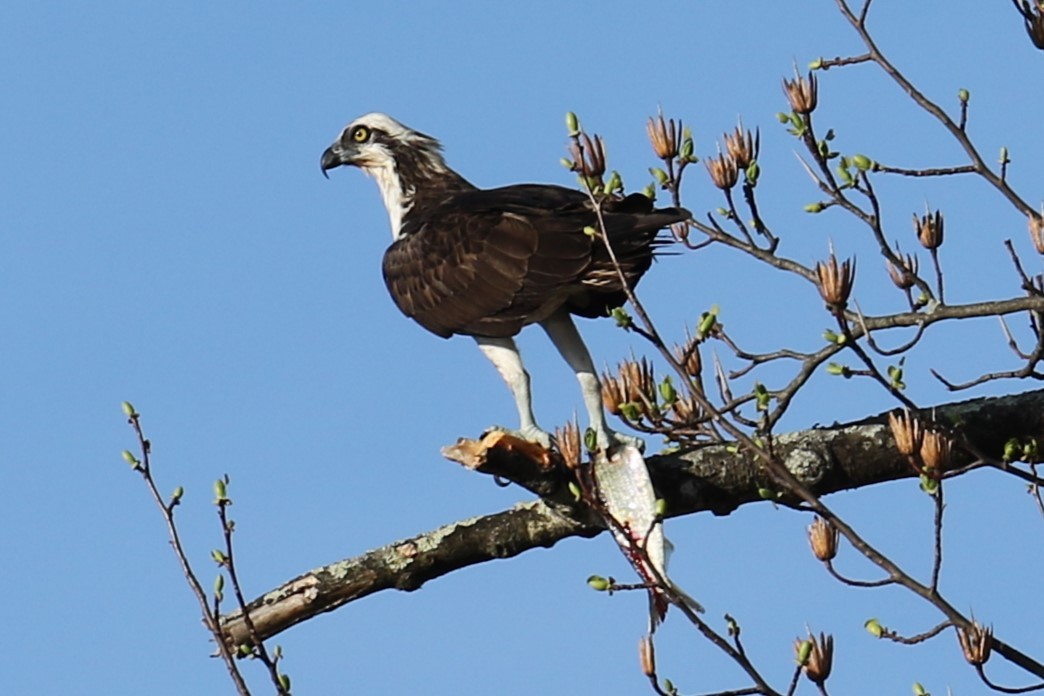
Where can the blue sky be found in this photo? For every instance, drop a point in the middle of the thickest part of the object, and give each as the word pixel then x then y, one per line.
pixel 166 237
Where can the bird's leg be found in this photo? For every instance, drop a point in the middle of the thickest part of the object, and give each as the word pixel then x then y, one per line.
pixel 503 353
pixel 562 332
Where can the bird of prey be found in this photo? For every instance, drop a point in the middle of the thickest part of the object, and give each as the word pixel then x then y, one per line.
pixel 487 262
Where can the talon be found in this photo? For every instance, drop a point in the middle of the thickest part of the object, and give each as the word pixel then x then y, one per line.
pixel 532 434
pixel 611 438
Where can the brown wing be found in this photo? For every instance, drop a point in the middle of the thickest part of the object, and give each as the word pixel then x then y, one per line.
pixel 489 262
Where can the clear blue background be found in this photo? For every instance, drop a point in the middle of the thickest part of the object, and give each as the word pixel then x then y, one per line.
pixel 166 237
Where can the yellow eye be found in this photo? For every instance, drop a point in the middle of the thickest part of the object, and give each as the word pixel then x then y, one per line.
pixel 361 134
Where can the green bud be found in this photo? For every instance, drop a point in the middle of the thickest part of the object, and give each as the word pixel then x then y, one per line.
pixel 630 411
pixel 919 690
pixel 753 172
pixel 762 396
pixel 816 207
pixel 831 336
pixel 685 152
pixel 568 163
pixel 659 175
pixel 1029 451
pixel 767 494
pixel 804 652
pixel 220 491
pixel 572 124
pixel 667 391
pixel 219 583
pixel 591 440
pixel 575 490
pixel 244 650
pixel 929 485
pixel 844 174
pixel 838 370
pixel 816 64
pixel 128 409
pixel 782 117
pixel 824 149
pixel 895 374
pixel 963 95
pixel 598 583
pixel 1011 450
pixel 649 192
pixel 284 681
pixel 615 183
pixel 219 556
pixel 661 507
pixel 175 498
pixel 277 654
pixel 874 628
pixel 1004 156
pixel 131 459
pixel 862 162
pixel 668 686
pixel 621 317
pixel 708 320
pixel 590 231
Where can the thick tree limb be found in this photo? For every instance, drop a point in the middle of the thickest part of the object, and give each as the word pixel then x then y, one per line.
pixel 827 459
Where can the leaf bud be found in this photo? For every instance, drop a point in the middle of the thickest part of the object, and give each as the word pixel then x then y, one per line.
pixel 572 124
pixel 598 583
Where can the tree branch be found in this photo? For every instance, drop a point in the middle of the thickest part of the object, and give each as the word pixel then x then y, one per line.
pixel 715 479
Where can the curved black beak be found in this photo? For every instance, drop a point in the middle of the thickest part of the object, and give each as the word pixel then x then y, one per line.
pixel 330 160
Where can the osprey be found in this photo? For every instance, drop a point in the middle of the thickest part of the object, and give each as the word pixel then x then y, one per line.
pixel 487 262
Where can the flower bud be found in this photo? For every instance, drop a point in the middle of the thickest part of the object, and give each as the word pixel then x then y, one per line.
pixel 976 643
pixel 823 538
pixel 1036 230
pixel 723 171
pixel 907 433
pixel 821 658
pixel 802 93
pixel 929 228
pixel 664 136
pixel 835 282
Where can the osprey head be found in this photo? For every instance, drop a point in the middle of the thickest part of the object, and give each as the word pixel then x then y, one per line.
pixel 376 142
pixel 407 165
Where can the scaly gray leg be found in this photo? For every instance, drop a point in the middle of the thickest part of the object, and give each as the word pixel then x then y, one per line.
pixel 503 353
pixel 562 332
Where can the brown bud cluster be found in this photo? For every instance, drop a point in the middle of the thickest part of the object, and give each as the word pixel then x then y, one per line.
pixel 835 281
pixel 567 439
pixel 905 274
pixel 929 228
pixel 906 430
pixel 935 452
pixel 976 643
pixel 1033 16
pixel 802 93
pixel 664 136
pixel 742 146
pixel 723 170
pixel 688 357
pixel 821 659
pixel 634 383
pixel 589 156
pixel 1036 230
pixel 823 538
